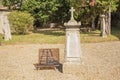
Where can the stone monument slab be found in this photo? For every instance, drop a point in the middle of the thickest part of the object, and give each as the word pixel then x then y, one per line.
pixel 72 46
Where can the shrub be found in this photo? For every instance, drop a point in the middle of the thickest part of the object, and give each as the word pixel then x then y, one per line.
pixel 20 22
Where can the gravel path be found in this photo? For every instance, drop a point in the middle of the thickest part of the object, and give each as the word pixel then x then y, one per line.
pixel 101 61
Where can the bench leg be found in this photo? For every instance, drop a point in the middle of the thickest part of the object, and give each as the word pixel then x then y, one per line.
pixel 38 68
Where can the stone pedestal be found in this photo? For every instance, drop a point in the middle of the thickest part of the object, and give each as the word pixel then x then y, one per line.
pixel 71 68
pixel 73 48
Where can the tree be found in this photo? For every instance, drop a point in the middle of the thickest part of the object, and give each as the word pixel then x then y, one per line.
pixel 41 9
pixel 95 8
pixel 62 14
pixel 106 7
pixel 10 3
pixel 116 17
pixel 47 11
pixel 78 5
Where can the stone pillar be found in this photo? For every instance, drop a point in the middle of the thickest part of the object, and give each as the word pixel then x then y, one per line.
pixel 73 52
pixel 104 34
pixel 4 26
pixel 1 23
pixel 7 31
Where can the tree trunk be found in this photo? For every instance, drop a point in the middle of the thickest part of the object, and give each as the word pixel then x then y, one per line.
pixel 108 21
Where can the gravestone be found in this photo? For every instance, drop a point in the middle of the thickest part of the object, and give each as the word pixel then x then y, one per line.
pixel 1 23
pixel 4 26
pixel 104 34
pixel 7 31
pixel 52 25
pixel 73 45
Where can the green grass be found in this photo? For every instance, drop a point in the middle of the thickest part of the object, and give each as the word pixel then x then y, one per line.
pixel 94 36
pixel 0 2
pixel 44 37
pixel 58 37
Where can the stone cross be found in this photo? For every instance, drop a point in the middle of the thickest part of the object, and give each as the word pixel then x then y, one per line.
pixel 72 11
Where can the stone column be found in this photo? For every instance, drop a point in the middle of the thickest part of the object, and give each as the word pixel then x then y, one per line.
pixel 1 23
pixel 7 32
pixel 5 27
pixel 104 34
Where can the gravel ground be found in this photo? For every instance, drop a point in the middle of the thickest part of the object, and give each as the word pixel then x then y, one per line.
pixel 101 61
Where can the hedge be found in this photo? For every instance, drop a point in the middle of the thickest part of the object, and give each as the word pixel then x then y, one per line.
pixel 20 22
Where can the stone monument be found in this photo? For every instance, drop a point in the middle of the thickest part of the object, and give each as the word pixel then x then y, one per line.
pixel 7 31
pixel 73 46
pixel 104 34
pixel 4 26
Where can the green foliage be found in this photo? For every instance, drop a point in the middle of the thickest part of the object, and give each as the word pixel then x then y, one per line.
pixel 86 12
pixel 62 14
pixel 77 4
pixel 105 4
pixel 47 11
pixel 10 3
pixel 100 6
pixel 0 2
pixel 41 9
pixel 21 22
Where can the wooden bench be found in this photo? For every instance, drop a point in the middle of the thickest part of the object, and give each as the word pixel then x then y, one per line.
pixel 48 58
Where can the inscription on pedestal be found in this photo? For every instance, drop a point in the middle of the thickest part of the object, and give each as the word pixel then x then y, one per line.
pixel 73 46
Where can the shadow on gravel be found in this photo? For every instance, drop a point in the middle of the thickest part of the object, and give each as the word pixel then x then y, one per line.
pixel 55 32
pixel 59 68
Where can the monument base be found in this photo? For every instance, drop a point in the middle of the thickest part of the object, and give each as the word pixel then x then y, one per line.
pixel 72 67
